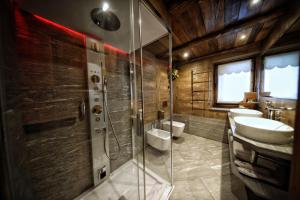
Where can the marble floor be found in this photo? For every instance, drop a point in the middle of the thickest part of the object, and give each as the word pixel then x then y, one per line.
pixel 201 172
pixel 201 169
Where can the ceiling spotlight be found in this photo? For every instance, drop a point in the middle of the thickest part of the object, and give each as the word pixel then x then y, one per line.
pixel 105 6
pixel 186 54
pixel 254 2
pixel 243 36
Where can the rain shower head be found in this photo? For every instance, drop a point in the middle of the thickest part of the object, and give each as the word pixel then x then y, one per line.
pixel 106 20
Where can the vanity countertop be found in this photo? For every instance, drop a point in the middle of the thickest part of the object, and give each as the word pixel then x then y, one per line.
pixel 279 151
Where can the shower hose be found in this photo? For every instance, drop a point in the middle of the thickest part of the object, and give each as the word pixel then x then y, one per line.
pixel 112 127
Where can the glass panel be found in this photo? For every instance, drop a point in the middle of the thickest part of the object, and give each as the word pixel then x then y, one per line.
pixel 136 100
pixel 79 91
pixel 66 100
pixel 156 99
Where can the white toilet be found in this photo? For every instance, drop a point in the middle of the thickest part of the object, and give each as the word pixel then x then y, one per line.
pixel 178 127
pixel 159 139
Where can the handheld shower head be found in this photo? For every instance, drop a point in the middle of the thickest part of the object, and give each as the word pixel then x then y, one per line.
pixel 110 122
pixel 104 84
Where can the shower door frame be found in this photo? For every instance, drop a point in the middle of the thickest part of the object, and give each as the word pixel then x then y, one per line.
pixel 136 129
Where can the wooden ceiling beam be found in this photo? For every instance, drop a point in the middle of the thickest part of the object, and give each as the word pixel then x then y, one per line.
pixel 253 49
pixel 245 51
pixel 231 27
pixel 283 25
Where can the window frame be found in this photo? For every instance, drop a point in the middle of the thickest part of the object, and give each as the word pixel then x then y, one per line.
pixel 252 81
pixel 262 74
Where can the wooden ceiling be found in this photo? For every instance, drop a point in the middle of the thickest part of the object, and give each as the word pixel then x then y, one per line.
pixel 203 27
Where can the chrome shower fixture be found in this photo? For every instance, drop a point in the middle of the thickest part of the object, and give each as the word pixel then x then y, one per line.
pixel 105 19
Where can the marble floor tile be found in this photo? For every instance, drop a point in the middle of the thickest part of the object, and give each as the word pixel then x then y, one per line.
pixel 201 169
pixel 219 187
pixel 192 189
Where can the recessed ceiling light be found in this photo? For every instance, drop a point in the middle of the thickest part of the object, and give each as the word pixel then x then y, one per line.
pixel 243 36
pixel 105 6
pixel 253 2
pixel 186 54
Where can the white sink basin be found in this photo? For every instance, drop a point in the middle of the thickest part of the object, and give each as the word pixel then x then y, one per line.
pixel 264 130
pixel 235 112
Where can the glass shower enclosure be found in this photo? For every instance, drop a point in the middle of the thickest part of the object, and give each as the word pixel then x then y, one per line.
pixel 86 100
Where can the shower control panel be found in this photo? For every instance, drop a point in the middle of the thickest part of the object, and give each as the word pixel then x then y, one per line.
pixel 96 96
pixel 97 111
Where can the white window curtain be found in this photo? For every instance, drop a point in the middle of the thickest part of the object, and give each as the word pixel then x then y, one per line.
pixel 282 60
pixel 234 79
pixel 281 74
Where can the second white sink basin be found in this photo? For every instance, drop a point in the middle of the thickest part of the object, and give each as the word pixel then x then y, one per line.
pixel 264 130
pixel 235 112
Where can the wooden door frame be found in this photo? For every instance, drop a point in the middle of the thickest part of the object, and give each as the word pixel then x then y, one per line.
pixel 294 190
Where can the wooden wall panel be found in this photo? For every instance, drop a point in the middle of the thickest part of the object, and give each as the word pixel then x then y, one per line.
pixel 203 93
pixel 294 188
pixel 203 100
pixel 156 87
pixel 200 87
pixel 200 96
pixel 52 64
pixel 203 77
pixel 15 181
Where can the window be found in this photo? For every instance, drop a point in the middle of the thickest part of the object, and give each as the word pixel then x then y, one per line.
pixel 234 79
pixel 281 74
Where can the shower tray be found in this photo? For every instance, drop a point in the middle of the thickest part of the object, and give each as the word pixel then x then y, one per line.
pixel 123 184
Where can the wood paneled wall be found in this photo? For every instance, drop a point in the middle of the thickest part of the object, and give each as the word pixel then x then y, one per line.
pixel 203 99
pixel 156 87
pixel 183 86
pixel 199 76
pixel 52 67
pixel 15 179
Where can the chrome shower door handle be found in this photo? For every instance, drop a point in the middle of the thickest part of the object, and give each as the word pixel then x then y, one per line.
pixel 138 125
pixel 82 109
pixel 139 118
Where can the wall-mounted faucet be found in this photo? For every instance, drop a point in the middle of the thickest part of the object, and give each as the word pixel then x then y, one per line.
pixel 275 113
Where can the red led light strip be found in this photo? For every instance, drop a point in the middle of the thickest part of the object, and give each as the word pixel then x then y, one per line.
pixel 108 46
pixel 59 26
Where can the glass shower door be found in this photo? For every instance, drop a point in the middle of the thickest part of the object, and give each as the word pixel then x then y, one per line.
pixel 151 96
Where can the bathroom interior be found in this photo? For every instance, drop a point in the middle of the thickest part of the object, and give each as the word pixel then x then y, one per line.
pixel 150 99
